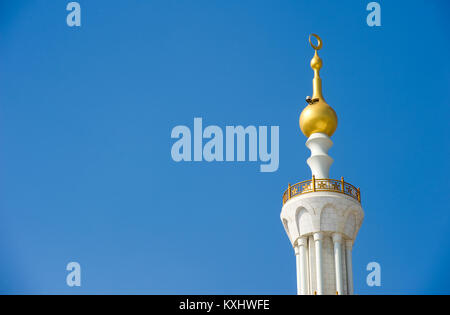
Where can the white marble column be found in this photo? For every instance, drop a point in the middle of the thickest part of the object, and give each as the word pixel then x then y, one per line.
pixel 348 249
pixel 301 244
pixel 319 278
pixel 297 264
pixel 337 241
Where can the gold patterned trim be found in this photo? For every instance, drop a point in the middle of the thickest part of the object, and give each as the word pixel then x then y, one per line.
pixel 323 184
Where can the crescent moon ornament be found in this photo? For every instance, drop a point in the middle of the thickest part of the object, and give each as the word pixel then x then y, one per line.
pixel 319 42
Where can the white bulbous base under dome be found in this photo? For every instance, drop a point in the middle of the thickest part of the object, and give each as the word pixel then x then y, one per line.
pixel 319 162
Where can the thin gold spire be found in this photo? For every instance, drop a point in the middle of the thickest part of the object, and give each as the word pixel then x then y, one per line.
pixel 316 65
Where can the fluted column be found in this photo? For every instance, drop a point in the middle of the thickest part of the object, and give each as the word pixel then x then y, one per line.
pixel 348 249
pixel 301 245
pixel 337 241
pixel 297 264
pixel 318 245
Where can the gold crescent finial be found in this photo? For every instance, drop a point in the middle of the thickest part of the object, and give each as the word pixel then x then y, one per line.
pixel 316 65
pixel 319 42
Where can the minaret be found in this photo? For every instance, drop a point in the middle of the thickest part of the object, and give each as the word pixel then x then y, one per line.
pixel 321 216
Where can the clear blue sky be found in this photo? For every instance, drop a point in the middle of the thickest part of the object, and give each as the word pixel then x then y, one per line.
pixel 86 173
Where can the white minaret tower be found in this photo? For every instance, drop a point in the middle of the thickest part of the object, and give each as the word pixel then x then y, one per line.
pixel 321 216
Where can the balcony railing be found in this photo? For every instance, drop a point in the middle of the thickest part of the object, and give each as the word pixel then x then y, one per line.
pixel 323 184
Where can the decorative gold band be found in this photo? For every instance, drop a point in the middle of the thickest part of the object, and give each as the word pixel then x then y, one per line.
pixel 322 184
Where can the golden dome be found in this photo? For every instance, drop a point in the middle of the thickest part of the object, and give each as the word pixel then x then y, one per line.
pixel 318 116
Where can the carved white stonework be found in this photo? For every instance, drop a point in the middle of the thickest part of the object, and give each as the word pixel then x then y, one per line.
pixel 322 212
pixel 320 161
pixel 331 221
